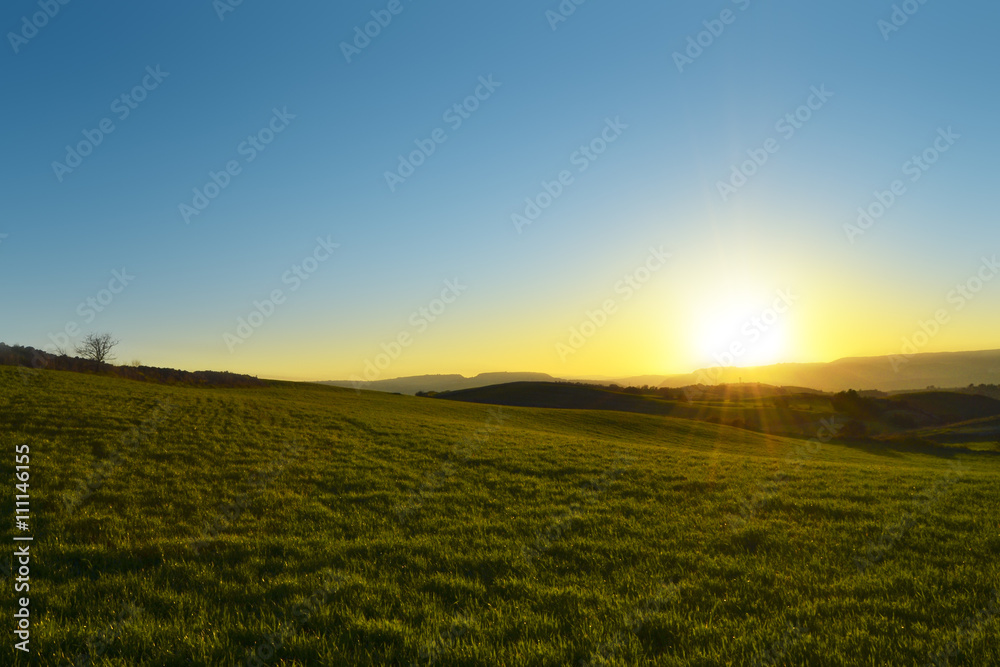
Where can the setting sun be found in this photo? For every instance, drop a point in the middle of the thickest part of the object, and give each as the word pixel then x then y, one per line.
pixel 745 328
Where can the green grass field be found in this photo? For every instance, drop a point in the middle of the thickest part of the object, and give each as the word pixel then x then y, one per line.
pixel 307 525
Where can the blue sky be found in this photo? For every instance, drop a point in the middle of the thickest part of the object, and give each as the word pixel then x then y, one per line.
pixel 323 176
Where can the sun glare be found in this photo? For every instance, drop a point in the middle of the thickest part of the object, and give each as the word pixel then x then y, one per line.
pixel 743 331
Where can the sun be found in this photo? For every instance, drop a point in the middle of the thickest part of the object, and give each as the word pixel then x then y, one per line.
pixel 743 330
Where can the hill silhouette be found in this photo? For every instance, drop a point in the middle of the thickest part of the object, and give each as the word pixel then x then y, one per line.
pixel 915 372
pixel 29 357
pixel 888 373
pixel 417 383
pixel 563 395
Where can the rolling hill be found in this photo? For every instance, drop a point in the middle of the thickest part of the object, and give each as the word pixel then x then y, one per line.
pixel 776 410
pixel 413 384
pixel 299 524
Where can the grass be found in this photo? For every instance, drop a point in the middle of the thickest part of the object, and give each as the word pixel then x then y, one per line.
pixel 322 526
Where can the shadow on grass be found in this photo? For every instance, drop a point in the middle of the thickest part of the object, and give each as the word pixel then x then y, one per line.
pixel 897 447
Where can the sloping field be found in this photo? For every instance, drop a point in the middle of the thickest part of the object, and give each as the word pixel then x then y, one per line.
pixel 985 431
pixel 305 525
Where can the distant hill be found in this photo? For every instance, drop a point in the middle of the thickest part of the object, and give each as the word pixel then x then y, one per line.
pixel 916 372
pixel 947 407
pixel 985 431
pixel 789 411
pixel 562 396
pixel 413 384
pixel 919 371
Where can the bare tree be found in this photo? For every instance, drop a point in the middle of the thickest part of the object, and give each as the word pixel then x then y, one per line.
pixel 97 347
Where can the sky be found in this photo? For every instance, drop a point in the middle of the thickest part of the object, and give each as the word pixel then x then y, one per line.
pixel 319 190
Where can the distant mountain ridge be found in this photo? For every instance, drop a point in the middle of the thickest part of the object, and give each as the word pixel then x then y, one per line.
pixel 887 373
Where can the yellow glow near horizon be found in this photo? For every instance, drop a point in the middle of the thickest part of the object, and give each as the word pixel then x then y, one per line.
pixel 674 326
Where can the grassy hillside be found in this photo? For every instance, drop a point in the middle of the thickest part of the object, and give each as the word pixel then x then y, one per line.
pixel 310 525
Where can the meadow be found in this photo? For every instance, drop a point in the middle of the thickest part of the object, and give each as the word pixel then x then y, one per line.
pixel 299 524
